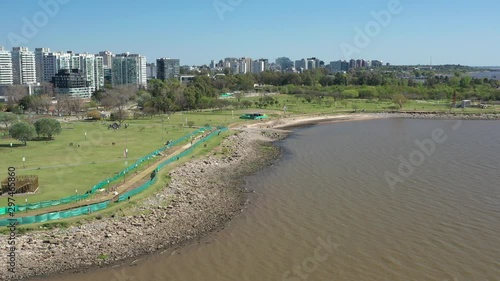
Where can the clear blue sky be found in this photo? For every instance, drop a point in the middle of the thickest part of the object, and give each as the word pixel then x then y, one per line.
pixel 460 32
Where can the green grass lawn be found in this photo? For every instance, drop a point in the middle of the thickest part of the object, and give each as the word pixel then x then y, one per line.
pixel 63 170
pixel 124 208
pixel 329 105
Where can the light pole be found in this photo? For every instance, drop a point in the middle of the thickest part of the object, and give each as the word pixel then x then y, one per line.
pixel 76 195
pixel 26 204
pixel 24 159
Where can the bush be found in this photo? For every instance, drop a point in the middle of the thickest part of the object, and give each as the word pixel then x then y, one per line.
pixel 94 115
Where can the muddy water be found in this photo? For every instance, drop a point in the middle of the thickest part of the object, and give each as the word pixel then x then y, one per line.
pixel 325 211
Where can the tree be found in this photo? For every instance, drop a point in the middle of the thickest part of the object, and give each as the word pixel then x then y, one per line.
pixel 7 118
pixel 118 98
pixel 400 100
pixel 14 94
pixel 47 127
pixel 239 95
pixel 22 131
pixel 190 124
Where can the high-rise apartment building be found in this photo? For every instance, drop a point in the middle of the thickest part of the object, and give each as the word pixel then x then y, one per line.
pixel 53 62
pixel 129 69
pixel 39 53
pixel 168 68
pixel 89 65
pixel 245 65
pixel 23 66
pixel 260 65
pixel 5 67
pixel 107 58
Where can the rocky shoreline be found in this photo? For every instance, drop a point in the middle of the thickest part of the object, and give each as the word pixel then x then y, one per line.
pixel 440 115
pixel 202 196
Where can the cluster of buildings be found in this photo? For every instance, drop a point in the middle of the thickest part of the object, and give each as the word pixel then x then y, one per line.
pixel 81 74
pixel 283 64
pixel 75 74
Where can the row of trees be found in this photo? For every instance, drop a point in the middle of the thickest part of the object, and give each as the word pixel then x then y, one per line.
pixel 45 127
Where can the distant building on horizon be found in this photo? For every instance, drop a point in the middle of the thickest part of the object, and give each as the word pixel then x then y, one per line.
pixel 260 65
pixel 167 68
pixel 283 63
pixel 107 58
pixel 301 65
pixel 151 70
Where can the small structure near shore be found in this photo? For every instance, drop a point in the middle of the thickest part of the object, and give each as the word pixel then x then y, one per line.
pixel 23 184
pixel 253 116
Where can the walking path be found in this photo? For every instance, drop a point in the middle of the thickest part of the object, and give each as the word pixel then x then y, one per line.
pixel 133 181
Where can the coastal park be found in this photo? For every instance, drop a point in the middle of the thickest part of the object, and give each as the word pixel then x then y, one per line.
pixel 88 151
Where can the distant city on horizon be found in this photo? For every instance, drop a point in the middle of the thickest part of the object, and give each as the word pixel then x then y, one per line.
pixel 88 73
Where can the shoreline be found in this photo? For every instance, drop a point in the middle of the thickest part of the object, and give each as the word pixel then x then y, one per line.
pixel 207 195
pixel 203 195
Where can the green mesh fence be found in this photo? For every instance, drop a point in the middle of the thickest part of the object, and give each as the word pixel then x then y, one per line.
pixel 172 159
pixel 57 215
pixel 104 183
pixel 101 206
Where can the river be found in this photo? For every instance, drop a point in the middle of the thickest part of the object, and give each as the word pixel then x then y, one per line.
pixel 326 210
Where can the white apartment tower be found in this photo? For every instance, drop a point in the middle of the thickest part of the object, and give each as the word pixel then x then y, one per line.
pixel 53 62
pixel 5 67
pixel 23 66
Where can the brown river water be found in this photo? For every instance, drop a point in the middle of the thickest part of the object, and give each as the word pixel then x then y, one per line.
pixel 325 210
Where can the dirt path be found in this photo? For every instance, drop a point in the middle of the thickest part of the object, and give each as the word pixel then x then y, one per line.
pixel 130 183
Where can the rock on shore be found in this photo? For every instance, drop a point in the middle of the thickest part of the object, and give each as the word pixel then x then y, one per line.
pixel 202 196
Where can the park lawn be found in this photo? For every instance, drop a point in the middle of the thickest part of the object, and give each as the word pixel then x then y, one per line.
pixel 124 208
pixel 65 170
pixel 296 105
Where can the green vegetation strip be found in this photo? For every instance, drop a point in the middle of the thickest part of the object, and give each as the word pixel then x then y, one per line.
pixel 103 205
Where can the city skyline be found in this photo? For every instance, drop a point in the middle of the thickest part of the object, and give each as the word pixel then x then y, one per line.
pixel 403 32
